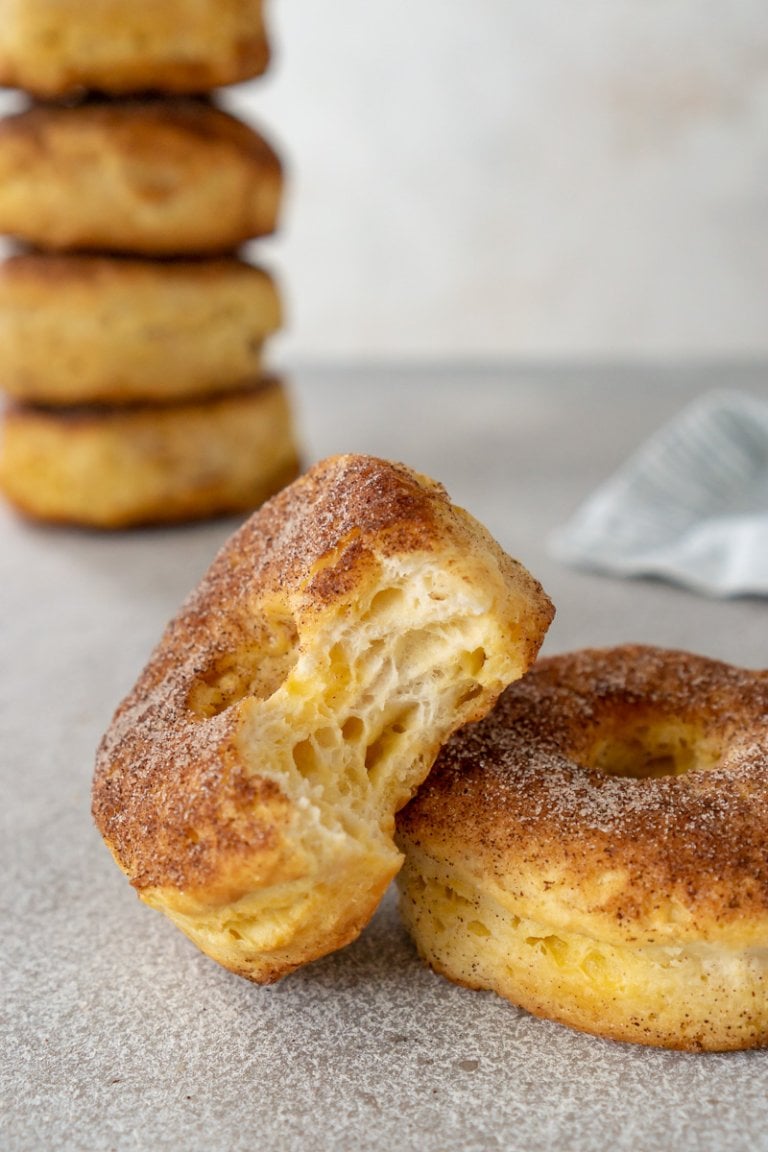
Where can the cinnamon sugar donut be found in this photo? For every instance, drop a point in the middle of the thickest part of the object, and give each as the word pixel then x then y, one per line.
pixel 596 849
pixel 248 784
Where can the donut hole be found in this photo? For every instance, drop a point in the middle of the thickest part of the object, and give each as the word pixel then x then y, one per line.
pixel 652 750
pixel 256 669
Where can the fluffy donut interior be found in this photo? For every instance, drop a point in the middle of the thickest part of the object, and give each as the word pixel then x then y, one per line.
pixel 356 708
pixel 348 726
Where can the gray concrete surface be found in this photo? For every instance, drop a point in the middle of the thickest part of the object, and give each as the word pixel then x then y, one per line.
pixel 119 1035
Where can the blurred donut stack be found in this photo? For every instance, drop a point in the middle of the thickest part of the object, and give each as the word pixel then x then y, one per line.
pixel 131 326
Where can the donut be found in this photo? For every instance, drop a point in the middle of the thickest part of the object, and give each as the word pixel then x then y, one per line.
pixel 248 784
pixel 148 464
pixel 596 849
pixel 53 48
pixel 81 329
pixel 153 177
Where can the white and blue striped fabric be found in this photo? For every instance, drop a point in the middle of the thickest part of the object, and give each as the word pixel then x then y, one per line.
pixel 691 505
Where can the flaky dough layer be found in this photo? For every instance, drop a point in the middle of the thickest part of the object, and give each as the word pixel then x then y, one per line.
pixel 53 48
pixel 99 329
pixel 115 468
pixel 249 782
pixel 153 177
pixel 596 849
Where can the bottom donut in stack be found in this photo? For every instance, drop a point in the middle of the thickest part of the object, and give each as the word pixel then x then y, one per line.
pixel 596 849
pixel 136 389
pixel 116 467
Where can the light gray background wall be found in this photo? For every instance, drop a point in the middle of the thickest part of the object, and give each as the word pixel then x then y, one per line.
pixel 521 177
pixel 524 178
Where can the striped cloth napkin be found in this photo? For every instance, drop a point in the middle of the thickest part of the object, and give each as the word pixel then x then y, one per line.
pixel 691 505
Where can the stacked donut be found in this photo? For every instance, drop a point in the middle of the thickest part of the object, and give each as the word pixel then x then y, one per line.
pixel 131 325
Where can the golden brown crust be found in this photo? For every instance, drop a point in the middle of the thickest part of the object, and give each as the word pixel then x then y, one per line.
pixel 246 770
pixel 53 48
pixel 158 177
pixel 115 468
pixel 561 806
pixel 90 329
pixel 279 548
pixel 529 797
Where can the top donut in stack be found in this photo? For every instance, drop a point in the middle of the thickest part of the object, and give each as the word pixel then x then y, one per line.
pixel 131 328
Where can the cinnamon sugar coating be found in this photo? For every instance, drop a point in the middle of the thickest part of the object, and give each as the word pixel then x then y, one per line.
pixel 248 783
pixel 613 799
